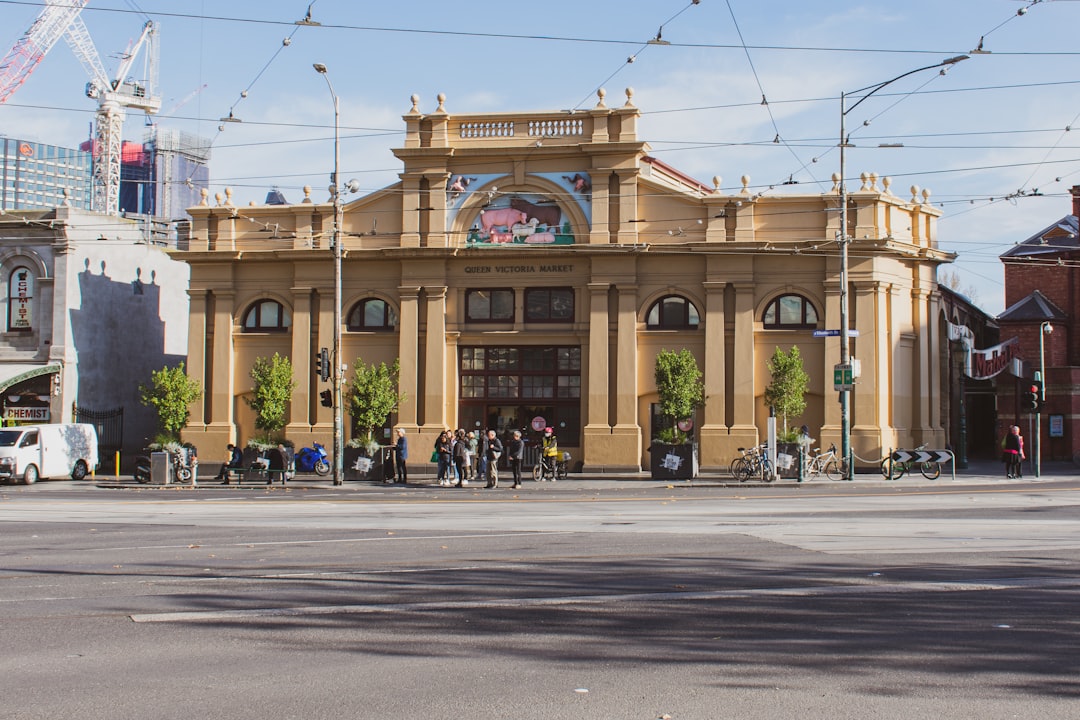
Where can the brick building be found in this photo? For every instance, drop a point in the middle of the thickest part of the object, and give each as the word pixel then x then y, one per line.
pixel 1042 297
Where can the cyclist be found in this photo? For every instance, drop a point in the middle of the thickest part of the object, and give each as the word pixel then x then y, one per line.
pixel 549 451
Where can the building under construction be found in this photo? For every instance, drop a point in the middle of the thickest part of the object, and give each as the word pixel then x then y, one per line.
pixel 163 178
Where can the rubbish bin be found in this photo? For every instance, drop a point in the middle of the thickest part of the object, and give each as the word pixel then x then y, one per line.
pixel 161 468
pixel 388 463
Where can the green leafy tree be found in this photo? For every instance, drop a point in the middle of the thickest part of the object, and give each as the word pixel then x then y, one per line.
pixel 787 391
pixel 678 383
pixel 170 392
pixel 373 395
pixel 272 393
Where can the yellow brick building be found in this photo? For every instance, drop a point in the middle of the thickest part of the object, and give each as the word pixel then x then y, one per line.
pixel 532 265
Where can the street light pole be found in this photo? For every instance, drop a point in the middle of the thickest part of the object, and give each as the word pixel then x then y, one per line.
pixel 1045 329
pixel 845 353
pixel 336 370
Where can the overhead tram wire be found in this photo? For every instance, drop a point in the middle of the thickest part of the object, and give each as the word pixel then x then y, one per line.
pixel 779 138
pixel 658 40
pixel 561 38
pixel 247 90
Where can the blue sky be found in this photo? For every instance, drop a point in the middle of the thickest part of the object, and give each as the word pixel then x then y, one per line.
pixel 993 126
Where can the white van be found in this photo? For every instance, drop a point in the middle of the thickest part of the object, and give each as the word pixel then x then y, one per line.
pixel 30 452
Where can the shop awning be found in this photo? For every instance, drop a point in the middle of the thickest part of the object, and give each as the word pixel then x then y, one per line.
pixel 15 373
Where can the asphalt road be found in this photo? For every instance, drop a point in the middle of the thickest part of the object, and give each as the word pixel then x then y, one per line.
pixel 581 600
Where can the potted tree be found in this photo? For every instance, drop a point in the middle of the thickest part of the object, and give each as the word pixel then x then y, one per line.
pixel 371 397
pixel 271 395
pixel 673 454
pixel 786 394
pixel 171 392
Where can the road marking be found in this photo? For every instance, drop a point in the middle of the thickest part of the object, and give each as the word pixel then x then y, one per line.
pixel 211 545
pixel 863 588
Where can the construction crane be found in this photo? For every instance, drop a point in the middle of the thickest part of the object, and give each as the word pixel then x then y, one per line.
pixel 60 18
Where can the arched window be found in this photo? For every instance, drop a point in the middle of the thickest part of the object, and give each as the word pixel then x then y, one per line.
pixel 267 316
pixel 790 311
pixel 21 300
pixel 372 314
pixel 670 312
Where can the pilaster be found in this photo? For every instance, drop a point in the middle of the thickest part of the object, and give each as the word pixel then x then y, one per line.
pixel 196 356
pixel 408 355
pixel 743 429
pixel 597 431
pixel 714 440
pixel 626 434
pixel 435 358
pixel 307 384
pixel 222 397
pixel 410 215
pixel 627 233
pixel 600 224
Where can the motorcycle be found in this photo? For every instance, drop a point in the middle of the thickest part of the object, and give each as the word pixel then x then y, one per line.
pixel 141 473
pixel 313 459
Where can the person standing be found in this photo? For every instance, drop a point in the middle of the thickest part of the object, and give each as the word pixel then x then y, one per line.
pixel 461 458
pixel 444 446
pixel 401 454
pixel 474 455
pixel 493 448
pixel 1013 453
pixel 515 453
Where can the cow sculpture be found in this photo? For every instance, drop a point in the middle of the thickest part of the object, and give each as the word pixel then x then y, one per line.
pixel 548 215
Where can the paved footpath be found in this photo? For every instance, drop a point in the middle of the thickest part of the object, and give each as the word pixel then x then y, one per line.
pixel 977 472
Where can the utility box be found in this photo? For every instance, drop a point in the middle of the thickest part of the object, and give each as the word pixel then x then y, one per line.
pixel 160 468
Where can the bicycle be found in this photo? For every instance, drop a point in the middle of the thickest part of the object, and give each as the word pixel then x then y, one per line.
pixel 893 470
pixel 544 471
pixel 754 464
pixel 827 462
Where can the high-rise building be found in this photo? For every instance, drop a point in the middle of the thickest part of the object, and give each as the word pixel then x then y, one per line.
pixel 34 175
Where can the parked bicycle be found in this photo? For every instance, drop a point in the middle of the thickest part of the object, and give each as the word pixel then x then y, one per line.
pixel 827 462
pixel 893 470
pixel 747 456
pixel 754 463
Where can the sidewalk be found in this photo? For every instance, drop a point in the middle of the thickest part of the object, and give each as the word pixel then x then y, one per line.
pixel 977 472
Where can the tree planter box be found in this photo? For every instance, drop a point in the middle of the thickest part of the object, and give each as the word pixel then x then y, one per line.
pixel 673 462
pixel 792 449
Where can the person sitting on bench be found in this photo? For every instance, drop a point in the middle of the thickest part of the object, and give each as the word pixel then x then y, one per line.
pixel 235 462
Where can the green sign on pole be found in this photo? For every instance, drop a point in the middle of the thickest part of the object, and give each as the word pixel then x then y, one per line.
pixel 842 379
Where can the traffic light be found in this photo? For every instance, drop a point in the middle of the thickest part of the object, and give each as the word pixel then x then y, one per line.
pixel 322 364
pixel 1037 388
pixel 327 398
pixel 1031 397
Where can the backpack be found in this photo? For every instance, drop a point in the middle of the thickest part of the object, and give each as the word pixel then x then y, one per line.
pixel 461 450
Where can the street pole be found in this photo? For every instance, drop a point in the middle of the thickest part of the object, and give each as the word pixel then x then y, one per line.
pixel 845 354
pixel 336 360
pixel 845 348
pixel 1045 329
